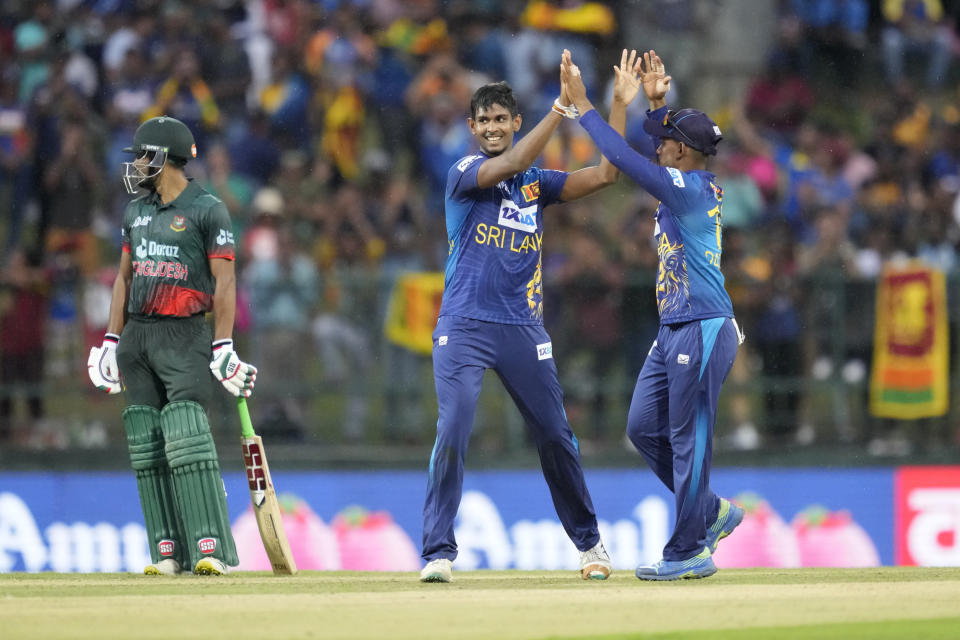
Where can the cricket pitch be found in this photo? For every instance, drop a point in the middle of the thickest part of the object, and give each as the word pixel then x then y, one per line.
pixel 887 602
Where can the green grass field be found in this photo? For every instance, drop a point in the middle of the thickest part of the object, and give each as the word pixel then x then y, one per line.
pixel 744 604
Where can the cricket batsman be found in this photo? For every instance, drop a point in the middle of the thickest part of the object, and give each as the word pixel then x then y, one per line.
pixel 177 264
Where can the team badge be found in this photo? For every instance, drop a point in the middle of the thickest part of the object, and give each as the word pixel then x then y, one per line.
pixel 179 223
pixel 531 191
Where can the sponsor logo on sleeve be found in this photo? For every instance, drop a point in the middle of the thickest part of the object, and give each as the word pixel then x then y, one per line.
pixel 545 351
pixel 466 162
pixel 677 177
pixel 224 237
pixel 519 218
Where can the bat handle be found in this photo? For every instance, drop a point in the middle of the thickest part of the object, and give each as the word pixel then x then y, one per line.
pixel 246 426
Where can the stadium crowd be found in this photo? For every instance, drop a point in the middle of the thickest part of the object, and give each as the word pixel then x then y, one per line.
pixel 327 127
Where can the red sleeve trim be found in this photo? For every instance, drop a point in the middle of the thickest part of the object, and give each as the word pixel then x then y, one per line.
pixel 224 256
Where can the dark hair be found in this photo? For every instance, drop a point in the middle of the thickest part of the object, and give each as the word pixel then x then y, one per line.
pixel 177 162
pixel 491 94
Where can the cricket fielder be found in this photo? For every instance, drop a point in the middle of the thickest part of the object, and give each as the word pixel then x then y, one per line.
pixel 176 265
pixel 674 404
pixel 491 316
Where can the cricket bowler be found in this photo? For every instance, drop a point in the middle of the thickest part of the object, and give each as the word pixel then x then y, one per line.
pixel 177 264
pixel 491 316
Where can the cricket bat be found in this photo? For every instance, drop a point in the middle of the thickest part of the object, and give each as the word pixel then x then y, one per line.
pixel 263 496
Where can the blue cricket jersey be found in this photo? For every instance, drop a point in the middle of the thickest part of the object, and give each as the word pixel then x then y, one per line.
pixel 495 236
pixel 688 230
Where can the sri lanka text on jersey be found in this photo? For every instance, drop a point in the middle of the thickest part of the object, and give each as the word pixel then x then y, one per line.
pixel 515 241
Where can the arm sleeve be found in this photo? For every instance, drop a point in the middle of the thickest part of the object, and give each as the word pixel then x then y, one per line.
pixel 125 231
pixel 462 177
pixel 551 185
pixel 219 232
pixel 664 184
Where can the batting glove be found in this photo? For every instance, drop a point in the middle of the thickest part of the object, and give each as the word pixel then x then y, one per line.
pixel 102 365
pixel 236 376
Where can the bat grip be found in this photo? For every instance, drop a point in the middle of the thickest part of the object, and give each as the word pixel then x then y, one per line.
pixel 246 426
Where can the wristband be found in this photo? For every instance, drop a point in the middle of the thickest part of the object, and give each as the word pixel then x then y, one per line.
pixel 219 344
pixel 567 112
pixel 111 337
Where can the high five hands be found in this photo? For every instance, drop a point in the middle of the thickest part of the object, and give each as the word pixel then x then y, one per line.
pixel 571 82
pixel 653 76
pixel 628 78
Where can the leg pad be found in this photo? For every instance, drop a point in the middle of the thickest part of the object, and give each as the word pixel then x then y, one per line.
pixel 161 516
pixel 201 496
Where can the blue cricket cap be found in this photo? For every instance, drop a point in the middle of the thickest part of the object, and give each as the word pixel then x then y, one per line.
pixel 689 126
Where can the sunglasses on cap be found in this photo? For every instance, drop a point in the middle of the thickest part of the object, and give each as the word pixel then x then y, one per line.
pixel 671 120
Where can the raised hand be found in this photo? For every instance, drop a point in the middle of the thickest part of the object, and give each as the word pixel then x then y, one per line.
pixel 572 81
pixel 626 81
pixel 653 76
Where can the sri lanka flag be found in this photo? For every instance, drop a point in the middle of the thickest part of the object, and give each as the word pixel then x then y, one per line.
pixel 911 352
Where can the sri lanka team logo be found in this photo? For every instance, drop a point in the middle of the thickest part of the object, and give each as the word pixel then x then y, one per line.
pixel 531 191
pixel 178 224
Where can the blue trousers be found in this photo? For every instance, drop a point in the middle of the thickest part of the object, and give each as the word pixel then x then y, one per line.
pixel 463 349
pixel 671 418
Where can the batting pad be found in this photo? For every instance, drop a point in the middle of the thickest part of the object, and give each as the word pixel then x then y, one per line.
pixel 196 478
pixel 154 483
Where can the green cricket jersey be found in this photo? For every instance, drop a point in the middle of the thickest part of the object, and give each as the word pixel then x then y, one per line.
pixel 171 245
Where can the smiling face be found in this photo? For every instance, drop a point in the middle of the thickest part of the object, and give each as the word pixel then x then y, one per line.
pixel 493 127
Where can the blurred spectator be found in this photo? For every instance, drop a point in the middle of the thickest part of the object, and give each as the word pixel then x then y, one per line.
pixel 285 101
pixel 24 291
pixel 843 21
pixel 186 96
pixel 591 282
pixel 916 26
pixel 436 97
pixel 255 153
pixel 780 98
pixel 16 149
pixel 226 66
pixel 235 190
pixel 283 290
pixel 71 184
pixel 777 335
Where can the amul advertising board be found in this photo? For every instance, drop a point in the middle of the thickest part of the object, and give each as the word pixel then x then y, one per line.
pixel 371 520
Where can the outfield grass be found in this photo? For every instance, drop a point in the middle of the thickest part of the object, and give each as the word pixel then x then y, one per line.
pixel 753 604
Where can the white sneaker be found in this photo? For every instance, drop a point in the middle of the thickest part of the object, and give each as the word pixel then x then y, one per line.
pixel 439 570
pixel 211 567
pixel 595 563
pixel 166 567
